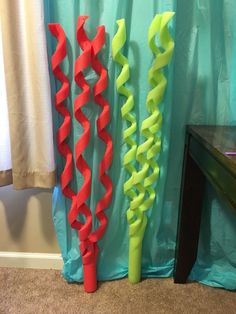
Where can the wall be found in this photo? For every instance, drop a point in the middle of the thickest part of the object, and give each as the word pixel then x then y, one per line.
pixel 26 222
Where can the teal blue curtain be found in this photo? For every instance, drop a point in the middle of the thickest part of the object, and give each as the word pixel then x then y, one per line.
pixel 201 90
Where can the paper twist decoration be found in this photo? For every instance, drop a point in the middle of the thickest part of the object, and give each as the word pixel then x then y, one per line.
pixel 62 135
pixel 102 122
pixel 60 97
pixel 151 127
pixel 88 249
pixel 136 219
pixel 88 246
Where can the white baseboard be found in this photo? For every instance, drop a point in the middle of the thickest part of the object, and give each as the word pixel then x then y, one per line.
pixel 31 260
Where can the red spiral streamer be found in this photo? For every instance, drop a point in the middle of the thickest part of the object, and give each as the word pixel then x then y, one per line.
pixel 81 63
pixel 60 97
pixel 89 57
pixel 89 250
pixel 102 122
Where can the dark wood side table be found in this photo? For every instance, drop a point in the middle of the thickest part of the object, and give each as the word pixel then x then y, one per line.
pixel 210 154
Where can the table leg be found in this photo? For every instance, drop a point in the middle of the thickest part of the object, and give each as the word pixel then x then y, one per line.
pixel 192 192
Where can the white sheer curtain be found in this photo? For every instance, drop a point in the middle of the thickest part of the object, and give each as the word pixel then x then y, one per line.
pixel 5 153
pixel 26 137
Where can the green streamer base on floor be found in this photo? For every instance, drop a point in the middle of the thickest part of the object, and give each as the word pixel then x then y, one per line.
pixel 135 252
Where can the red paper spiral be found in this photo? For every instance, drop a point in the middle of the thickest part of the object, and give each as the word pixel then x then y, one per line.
pixel 89 56
pixel 88 249
pixel 81 63
pixel 102 122
pixel 61 95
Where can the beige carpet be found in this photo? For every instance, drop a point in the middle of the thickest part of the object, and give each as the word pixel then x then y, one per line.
pixel 45 291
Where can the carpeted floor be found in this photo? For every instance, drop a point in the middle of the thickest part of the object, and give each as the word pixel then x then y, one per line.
pixel 45 291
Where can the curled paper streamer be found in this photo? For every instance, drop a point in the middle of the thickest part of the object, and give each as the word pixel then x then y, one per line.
pixel 102 122
pixel 151 127
pixel 88 249
pixel 88 246
pixel 136 219
pixel 63 133
pixel 60 97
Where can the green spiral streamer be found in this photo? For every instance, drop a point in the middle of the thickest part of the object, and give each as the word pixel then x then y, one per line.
pixel 135 216
pixel 130 157
pixel 150 129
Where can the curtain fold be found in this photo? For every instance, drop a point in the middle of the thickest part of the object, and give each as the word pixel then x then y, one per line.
pixel 201 90
pixel 28 96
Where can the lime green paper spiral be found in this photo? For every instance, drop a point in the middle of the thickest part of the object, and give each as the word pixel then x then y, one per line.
pixel 130 157
pixel 135 216
pixel 143 180
pixel 151 127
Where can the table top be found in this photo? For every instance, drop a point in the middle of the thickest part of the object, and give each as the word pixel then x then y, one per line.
pixel 219 140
